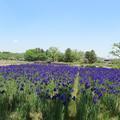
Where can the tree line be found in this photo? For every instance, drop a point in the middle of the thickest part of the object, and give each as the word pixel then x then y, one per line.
pixel 11 56
pixel 54 55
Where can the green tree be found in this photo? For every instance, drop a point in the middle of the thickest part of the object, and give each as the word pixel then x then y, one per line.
pixel 11 56
pixel 53 53
pixel 116 49
pixel 35 54
pixel 61 57
pixel 68 55
pixel 90 56
pixel 78 56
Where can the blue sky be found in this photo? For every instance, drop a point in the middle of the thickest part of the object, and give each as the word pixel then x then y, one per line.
pixel 78 24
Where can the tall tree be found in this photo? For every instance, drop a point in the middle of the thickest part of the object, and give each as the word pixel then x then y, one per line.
pixel 78 56
pixel 90 56
pixel 53 53
pixel 116 49
pixel 61 57
pixel 68 55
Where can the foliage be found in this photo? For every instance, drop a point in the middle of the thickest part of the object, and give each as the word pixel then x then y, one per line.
pixel 68 55
pixel 53 53
pixel 77 56
pixel 116 50
pixel 35 54
pixel 11 56
pixel 115 63
pixel 90 56
pixel 61 57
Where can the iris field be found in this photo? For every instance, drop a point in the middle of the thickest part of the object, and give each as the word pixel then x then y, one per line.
pixel 59 92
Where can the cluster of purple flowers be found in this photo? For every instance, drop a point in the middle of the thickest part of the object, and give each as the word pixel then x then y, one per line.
pixel 101 81
pixel 56 81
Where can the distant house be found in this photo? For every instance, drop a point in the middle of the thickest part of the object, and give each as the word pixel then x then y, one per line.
pixel 108 61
